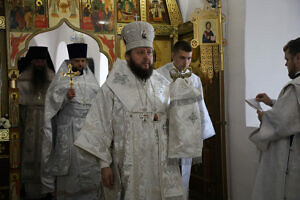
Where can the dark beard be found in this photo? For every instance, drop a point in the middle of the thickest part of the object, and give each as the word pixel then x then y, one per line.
pixel 39 77
pixel 139 72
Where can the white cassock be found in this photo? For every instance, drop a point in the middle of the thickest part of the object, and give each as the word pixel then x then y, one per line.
pixel 73 173
pixel 126 128
pixel 278 139
pixel 207 129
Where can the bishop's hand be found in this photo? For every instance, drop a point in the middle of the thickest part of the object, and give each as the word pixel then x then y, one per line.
pixel 71 93
pixel 107 177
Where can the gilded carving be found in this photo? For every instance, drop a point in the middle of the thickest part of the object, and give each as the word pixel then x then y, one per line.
pixel 216 58
pixel 210 61
pixel 14 150
pixel 4 135
pixel 143 10
pixel 13 75
pixel 2 22
pixel 174 13
pixel 207 25
pixel 160 30
pixel 14 107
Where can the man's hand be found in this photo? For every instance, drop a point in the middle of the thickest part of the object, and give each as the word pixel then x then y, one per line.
pixel 260 114
pixel 263 97
pixel 71 93
pixel 107 177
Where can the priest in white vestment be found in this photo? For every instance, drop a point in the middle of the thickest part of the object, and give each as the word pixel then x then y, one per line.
pixel 278 137
pixel 69 172
pixel 182 57
pixel 36 73
pixel 127 126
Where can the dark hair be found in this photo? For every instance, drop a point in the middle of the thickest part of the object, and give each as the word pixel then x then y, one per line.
pixel 207 23
pixel 293 46
pixel 128 53
pixel 182 45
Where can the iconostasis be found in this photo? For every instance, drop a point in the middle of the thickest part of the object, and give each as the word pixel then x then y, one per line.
pixel 102 20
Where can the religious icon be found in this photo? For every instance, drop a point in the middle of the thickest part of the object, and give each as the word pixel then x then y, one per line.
pixel 97 16
pixel 14 151
pixel 157 11
pixel 208 35
pixel 27 15
pixel 127 10
pixel 53 7
pixel 68 9
pixel 208 31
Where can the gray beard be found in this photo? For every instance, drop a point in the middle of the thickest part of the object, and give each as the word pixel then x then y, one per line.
pixel 139 72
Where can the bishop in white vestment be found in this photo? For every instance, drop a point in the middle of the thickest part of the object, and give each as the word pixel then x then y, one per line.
pixel 127 125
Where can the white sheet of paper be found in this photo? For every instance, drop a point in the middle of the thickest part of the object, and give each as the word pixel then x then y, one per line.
pixel 254 104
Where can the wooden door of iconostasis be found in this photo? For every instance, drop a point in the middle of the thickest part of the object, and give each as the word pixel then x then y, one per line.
pixel 101 20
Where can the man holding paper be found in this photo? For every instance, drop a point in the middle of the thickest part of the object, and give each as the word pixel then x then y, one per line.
pixel 278 137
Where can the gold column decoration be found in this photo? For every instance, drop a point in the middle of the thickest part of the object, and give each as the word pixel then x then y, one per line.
pixel 174 13
pixel 14 149
pixel 13 75
pixel 174 34
pixel 223 42
pixel 143 10
pixel 216 58
pixel 4 135
pixel 2 22
pixel 206 63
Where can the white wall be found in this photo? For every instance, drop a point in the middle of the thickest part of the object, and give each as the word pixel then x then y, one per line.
pixel 269 26
pixel 242 156
pixel 187 7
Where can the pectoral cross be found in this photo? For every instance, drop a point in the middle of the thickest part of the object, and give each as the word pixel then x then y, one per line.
pixel 70 74
pixel 144 116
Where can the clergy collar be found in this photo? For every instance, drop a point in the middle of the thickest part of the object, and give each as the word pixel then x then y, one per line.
pixel 297 74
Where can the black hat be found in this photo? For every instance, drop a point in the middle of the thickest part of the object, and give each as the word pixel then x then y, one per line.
pixel 35 52
pixel 77 50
